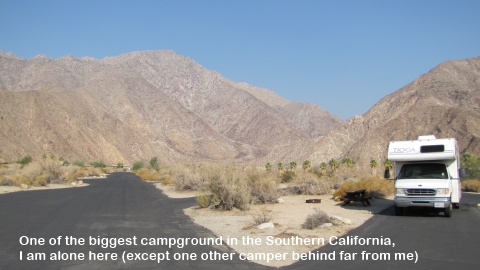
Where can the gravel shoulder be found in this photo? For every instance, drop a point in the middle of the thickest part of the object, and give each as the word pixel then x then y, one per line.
pixel 287 218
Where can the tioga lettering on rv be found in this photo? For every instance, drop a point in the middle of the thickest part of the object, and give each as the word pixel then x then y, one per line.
pixel 404 150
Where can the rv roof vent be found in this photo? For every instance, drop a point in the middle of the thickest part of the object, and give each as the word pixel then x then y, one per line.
pixel 426 137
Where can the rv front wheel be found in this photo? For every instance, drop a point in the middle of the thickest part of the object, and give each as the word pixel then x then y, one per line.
pixel 448 210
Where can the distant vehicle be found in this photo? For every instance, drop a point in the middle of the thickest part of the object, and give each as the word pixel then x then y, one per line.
pixel 427 174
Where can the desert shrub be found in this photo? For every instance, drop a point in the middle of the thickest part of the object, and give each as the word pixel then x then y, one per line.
pixel 6 181
pixel 167 180
pixel 309 185
pixel 203 199
pixel 42 173
pixel 287 176
pixel 242 197
pixel 188 180
pixel 471 185
pixel 229 189
pixel 318 172
pixel 373 185
pixel 80 173
pixel 137 165
pixel 53 173
pixel 315 220
pixel 262 217
pixel 229 185
pixel 78 163
pixel 40 180
pixel 262 186
pixel 148 175
pixel 98 164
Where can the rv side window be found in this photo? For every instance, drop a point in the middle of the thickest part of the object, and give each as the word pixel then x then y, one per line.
pixel 423 170
pixel 432 148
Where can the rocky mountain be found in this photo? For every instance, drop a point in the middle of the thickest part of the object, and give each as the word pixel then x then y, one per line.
pixel 143 104
pixel 444 102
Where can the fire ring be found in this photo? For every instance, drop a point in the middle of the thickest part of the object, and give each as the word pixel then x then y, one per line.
pixel 314 200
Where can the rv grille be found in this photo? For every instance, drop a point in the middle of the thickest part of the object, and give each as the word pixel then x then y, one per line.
pixel 419 191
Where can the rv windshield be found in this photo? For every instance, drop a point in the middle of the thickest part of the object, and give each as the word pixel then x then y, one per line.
pixel 423 170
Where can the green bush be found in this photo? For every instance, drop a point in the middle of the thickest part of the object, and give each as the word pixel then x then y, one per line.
pixel 154 163
pixel 25 160
pixel 471 164
pixel 98 164
pixel 78 163
pixel 137 165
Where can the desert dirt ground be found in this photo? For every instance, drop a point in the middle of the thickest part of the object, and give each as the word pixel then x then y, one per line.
pixel 9 189
pixel 287 218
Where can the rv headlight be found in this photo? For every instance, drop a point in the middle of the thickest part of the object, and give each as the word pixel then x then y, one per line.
pixel 399 191
pixel 443 191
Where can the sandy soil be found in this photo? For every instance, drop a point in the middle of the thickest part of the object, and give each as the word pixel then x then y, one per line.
pixel 287 218
pixel 8 189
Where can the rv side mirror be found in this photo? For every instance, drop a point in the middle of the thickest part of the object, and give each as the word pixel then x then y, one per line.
pixel 387 174
pixel 462 172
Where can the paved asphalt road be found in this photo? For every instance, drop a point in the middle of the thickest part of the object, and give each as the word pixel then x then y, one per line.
pixel 122 206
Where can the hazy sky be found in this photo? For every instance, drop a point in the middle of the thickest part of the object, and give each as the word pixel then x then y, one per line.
pixel 343 56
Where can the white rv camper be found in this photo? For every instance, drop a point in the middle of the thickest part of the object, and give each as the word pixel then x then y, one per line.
pixel 427 173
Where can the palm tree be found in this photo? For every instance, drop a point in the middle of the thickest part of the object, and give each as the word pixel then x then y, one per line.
pixel 280 166
pixel 268 166
pixel 334 165
pixel 373 166
pixel 348 162
pixel 293 166
pixel 388 165
pixel 323 167
pixel 306 165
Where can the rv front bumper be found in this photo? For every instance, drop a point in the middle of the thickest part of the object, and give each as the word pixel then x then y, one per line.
pixel 422 202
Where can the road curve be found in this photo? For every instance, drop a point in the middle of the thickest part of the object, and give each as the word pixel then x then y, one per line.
pixel 120 206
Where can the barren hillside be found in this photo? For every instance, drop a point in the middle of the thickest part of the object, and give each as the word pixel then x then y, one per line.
pixel 444 102
pixel 143 104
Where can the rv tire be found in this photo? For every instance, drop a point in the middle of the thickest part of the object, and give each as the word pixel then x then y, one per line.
pixel 448 211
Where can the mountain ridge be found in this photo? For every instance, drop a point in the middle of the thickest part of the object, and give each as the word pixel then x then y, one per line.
pixel 192 112
pixel 444 102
